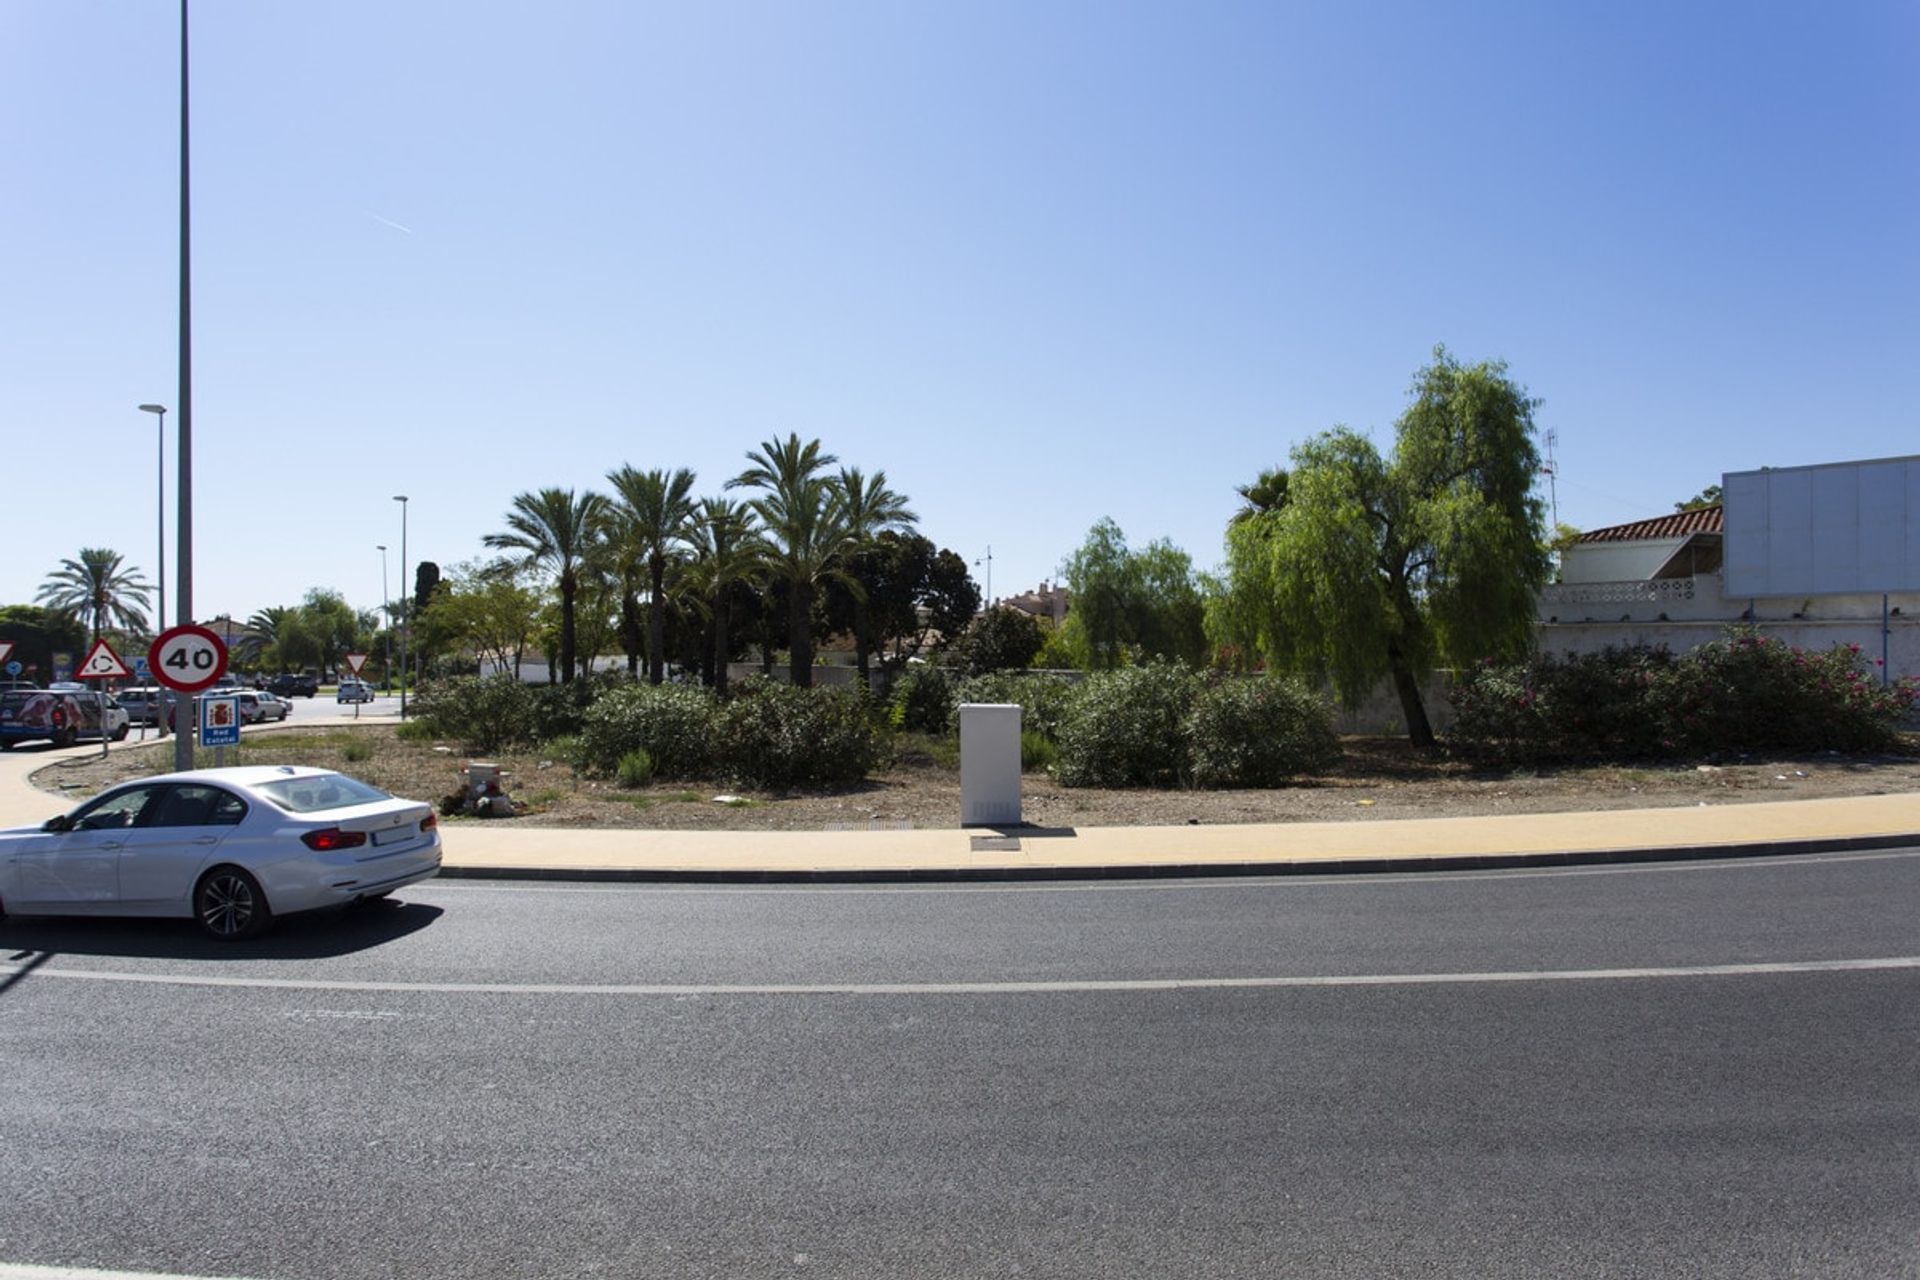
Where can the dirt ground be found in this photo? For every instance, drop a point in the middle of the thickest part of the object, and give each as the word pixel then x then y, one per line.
pixel 1378 778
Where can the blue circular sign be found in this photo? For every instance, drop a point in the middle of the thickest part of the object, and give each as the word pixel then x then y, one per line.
pixel 13 668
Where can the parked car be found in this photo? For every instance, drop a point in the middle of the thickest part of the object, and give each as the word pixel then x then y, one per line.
pixel 61 715
pixel 257 705
pixel 143 703
pixel 290 686
pixel 353 689
pixel 230 848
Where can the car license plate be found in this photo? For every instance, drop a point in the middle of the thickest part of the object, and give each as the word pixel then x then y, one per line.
pixel 392 835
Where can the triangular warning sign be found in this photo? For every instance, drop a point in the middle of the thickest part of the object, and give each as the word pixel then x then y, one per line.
pixel 102 663
pixel 355 661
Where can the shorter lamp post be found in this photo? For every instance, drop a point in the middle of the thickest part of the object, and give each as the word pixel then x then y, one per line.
pixel 406 618
pixel 386 611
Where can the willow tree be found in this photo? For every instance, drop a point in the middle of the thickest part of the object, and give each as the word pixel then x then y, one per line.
pixel 1386 567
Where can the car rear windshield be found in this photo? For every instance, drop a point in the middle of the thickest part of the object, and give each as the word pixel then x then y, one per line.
pixel 312 795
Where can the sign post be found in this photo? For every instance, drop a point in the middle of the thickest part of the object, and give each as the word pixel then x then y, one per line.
pixel 355 661
pixel 102 663
pixel 219 727
pixel 188 659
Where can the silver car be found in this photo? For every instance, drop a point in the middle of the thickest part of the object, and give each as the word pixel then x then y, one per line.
pixel 257 705
pixel 230 848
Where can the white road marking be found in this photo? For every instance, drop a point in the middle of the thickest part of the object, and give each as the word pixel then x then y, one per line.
pixel 12 1271
pixel 1069 986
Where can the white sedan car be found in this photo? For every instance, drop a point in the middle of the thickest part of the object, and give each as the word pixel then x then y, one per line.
pixel 231 848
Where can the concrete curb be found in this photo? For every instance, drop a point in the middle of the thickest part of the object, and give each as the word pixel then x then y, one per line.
pixel 1184 870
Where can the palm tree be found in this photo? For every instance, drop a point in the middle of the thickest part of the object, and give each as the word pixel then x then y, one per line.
pixel 1268 493
pixel 653 511
pixel 806 529
pixel 98 591
pixel 554 528
pixel 871 508
pixel 727 552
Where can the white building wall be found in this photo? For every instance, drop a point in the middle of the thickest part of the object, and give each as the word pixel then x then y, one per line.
pixel 1683 613
pixel 1617 561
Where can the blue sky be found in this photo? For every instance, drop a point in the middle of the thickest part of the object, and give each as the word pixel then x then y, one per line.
pixel 1041 262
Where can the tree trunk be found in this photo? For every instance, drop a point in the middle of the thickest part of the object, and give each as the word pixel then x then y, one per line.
pixel 630 633
pixel 1419 728
pixel 657 622
pixel 800 636
pixel 720 610
pixel 860 639
pixel 566 628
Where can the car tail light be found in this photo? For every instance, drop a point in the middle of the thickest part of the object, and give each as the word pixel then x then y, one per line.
pixel 429 822
pixel 331 838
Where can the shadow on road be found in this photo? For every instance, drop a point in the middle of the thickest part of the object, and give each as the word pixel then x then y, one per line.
pixel 31 941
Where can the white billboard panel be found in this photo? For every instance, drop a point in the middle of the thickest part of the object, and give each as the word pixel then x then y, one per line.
pixel 1841 529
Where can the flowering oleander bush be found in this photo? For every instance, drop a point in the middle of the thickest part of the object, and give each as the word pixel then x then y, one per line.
pixel 1743 692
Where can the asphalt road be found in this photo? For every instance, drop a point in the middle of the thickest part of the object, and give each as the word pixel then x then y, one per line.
pixel 1699 1070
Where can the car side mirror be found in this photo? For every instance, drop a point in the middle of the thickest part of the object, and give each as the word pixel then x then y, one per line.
pixel 58 822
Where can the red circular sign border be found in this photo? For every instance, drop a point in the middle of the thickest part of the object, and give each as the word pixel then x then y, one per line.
pixel 182 686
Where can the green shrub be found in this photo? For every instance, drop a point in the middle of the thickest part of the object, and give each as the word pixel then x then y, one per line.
pixel 559 709
pixel 565 749
pixel 1749 692
pixel 1038 752
pixel 415 731
pixel 357 751
pixel 1258 732
pixel 483 713
pixel 673 723
pixel 1610 704
pixel 1043 698
pixel 773 735
pixel 923 701
pixel 635 769
pixel 1744 692
pixel 1127 728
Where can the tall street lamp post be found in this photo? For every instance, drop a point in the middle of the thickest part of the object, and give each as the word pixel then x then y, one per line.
pixel 160 524
pixel 406 617
pixel 386 611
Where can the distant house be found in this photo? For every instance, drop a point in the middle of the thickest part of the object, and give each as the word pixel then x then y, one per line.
pixel 1663 580
pixel 1048 602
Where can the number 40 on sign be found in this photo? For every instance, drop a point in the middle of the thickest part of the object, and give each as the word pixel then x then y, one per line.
pixel 187 658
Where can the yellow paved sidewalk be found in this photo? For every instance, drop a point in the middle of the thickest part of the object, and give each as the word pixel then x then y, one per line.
pixel 509 849
pixel 1864 822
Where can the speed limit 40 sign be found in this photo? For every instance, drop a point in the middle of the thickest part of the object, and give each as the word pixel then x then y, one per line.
pixel 187 659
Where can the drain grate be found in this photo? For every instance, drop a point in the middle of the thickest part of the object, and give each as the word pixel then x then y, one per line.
pixel 996 844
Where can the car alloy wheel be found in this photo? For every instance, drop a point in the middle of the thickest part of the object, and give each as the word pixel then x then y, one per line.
pixel 229 904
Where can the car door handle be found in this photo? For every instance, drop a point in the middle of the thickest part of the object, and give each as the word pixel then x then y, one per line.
pixel 208 840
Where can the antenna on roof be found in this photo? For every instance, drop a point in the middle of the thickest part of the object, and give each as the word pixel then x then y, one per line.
pixel 1551 471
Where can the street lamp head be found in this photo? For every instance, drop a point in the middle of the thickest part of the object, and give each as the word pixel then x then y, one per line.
pixel 379 546
pixel 399 497
pixel 153 408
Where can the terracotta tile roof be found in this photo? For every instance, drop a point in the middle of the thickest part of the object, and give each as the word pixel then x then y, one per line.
pixel 1677 525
